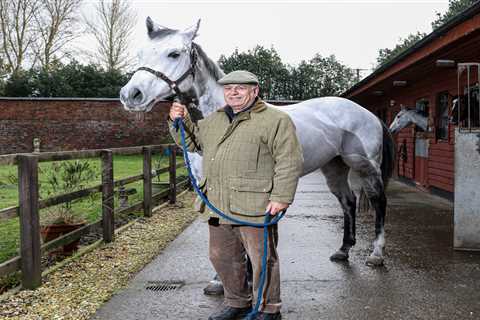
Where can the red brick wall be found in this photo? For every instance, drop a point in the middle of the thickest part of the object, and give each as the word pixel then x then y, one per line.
pixel 75 124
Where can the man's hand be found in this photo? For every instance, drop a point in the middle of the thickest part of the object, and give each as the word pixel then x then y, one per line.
pixel 275 207
pixel 177 110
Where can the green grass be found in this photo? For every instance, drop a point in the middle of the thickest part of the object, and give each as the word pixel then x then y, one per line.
pixel 124 166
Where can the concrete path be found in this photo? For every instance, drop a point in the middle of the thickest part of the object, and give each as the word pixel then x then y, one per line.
pixel 423 277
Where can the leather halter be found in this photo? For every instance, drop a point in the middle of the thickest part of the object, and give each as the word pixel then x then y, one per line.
pixel 174 84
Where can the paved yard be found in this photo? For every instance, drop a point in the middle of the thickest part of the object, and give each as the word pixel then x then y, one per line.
pixel 423 277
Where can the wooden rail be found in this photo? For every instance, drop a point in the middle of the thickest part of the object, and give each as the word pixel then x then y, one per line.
pixel 29 261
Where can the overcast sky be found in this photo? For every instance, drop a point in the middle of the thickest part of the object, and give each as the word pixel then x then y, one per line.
pixel 351 30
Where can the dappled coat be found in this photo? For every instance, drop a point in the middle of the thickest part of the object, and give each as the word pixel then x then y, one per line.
pixel 246 163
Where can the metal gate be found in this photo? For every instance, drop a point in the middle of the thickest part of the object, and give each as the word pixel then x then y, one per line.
pixel 467 159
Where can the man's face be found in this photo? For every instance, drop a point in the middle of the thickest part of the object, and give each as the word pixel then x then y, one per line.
pixel 239 96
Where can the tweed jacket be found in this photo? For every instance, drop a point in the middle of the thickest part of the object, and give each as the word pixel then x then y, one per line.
pixel 246 163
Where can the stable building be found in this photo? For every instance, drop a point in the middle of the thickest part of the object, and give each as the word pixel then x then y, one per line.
pixel 438 78
pixel 429 77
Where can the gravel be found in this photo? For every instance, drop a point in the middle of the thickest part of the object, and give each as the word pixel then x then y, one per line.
pixel 77 289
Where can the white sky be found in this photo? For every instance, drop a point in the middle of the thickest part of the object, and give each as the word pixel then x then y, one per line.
pixel 351 30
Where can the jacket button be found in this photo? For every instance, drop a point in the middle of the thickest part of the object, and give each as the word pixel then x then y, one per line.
pixel 213 159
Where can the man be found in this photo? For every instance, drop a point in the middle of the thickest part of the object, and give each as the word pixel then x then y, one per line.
pixel 252 161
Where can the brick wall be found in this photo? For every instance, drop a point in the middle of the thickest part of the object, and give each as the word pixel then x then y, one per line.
pixel 75 124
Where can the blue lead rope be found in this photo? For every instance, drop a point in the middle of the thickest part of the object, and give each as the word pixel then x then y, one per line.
pixel 178 124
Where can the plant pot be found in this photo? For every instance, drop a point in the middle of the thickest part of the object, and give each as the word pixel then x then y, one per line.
pixel 53 231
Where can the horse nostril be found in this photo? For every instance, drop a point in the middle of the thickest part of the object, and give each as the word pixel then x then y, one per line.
pixel 136 96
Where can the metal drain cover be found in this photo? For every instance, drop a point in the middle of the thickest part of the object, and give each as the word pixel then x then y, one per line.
pixel 164 286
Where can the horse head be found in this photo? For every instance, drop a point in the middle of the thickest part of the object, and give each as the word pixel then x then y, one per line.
pixel 406 117
pixel 168 62
pixel 402 120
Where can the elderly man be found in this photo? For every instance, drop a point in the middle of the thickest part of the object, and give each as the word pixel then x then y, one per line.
pixel 252 161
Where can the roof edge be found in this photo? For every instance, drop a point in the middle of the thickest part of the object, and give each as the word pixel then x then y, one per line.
pixel 458 19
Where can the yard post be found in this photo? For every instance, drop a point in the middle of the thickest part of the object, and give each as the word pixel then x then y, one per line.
pixel 172 195
pixel 147 181
pixel 29 221
pixel 108 219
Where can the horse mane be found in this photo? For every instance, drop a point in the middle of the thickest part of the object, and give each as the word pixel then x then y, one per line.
pixel 211 66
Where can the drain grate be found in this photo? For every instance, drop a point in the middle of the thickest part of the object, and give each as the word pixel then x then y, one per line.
pixel 164 286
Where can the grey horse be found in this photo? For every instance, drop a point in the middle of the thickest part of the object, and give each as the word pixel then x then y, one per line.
pixel 338 136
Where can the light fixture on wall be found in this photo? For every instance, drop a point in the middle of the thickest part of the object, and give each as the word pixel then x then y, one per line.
pixel 392 103
pixel 399 83
pixel 445 63
pixel 377 93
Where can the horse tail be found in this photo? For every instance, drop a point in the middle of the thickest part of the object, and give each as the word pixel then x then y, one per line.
pixel 388 155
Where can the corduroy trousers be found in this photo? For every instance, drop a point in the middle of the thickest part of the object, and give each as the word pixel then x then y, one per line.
pixel 227 248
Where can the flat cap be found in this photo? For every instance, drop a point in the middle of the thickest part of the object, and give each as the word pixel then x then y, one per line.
pixel 240 77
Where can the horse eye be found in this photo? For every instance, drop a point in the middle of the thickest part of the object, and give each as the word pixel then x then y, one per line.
pixel 174 55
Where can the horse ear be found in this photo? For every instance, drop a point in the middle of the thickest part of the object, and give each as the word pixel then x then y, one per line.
pixel 150 25
pixel 191 32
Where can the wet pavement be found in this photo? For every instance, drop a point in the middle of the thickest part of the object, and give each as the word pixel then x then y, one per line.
pixel 423 277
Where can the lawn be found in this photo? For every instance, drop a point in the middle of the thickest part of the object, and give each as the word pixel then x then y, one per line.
pixel 90 210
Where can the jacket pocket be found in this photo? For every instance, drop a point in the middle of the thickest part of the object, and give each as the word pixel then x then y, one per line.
pixel 249 196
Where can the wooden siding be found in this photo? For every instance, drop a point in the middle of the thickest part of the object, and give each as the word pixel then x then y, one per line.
pixel 425 81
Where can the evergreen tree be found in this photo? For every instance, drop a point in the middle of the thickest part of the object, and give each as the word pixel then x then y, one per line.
pixel 454 8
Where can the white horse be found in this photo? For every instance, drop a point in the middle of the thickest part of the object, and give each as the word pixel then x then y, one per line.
pixel 407 117
pixel 337 135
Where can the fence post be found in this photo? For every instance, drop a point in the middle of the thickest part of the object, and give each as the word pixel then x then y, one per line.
pixel 147 181
pixel 29 221
pixel 108 204
pixel 172 195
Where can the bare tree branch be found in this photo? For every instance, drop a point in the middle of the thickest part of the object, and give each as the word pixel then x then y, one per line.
pixel 55 23
pixel 17 34
pixel 112 27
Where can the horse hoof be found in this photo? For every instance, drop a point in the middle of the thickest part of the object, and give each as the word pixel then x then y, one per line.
pixel 339 256
pixel 374 261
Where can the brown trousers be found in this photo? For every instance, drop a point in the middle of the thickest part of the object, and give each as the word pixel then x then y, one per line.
pixel 227 248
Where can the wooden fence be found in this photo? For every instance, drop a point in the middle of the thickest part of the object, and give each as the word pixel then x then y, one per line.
pixel 31 249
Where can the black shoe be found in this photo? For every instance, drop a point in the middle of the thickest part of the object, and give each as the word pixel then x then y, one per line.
pixel 214 287
pixel 229 313
pixel 266 316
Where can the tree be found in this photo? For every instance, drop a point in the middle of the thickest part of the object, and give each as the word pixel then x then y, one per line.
pixel 386 54
pixel 17 34
pixel 55 25
pixel 454 8
pixel 317 77
pixel 19 84
pixel 112 28
pixel 70 80
pixel 321 76
pixel 265 63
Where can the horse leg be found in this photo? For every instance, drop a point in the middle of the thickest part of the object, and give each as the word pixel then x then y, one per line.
pixel 336 174
pixel 372 184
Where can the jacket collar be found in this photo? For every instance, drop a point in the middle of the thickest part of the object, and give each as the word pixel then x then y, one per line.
pixel 258 106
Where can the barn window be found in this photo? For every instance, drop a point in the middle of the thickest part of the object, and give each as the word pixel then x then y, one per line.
pixel 472 102
pixel 442 116
pixel 422 106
